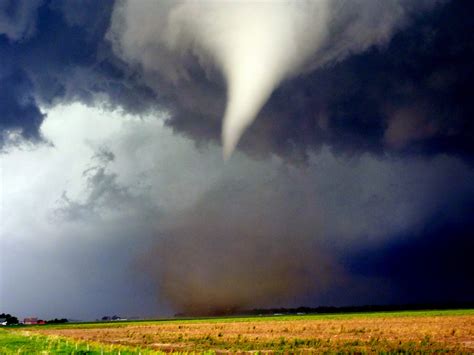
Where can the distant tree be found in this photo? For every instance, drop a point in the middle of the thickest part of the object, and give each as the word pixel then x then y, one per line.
pixel 9 318
pixel 104 318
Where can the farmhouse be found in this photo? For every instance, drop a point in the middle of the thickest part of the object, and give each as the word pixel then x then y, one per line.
pixel 30 321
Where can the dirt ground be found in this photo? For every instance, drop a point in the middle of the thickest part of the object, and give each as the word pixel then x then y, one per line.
pixel 445 333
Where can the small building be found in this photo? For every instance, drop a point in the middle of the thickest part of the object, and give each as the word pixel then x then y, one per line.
pixel 3 321
pixel 30 321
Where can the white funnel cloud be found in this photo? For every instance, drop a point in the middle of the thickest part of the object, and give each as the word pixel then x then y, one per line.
pixel 254 64
pixel 254 45
pixel 263 48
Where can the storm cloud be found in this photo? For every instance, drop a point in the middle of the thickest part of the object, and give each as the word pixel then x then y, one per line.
pixel 348 83
pixel 254 46
pixel 357 153
pixel 117 206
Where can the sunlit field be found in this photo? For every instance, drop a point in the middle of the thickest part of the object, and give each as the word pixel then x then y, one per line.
pixel 420 331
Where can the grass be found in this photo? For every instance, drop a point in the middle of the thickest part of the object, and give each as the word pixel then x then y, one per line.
pixel 256 318
pixel 23 342
pixel 397 332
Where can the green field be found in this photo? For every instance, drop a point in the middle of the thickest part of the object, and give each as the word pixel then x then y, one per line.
pixel 256 318
pixel 432 331
pixel 15 341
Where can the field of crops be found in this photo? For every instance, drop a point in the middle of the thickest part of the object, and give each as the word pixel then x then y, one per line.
pixel 426 331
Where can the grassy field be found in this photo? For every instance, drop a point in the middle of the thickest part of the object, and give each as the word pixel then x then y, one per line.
pixel 26 342
pixel 406 332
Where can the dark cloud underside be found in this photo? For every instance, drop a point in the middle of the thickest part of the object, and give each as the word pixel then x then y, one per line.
pixel 409 96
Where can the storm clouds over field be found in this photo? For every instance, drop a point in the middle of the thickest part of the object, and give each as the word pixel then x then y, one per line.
pixel 348 132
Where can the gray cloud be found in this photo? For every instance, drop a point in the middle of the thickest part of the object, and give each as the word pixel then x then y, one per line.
pixel 371 61
pixel 407 125
pixel 18 18
pixel 253 46
pixel 150 221
pixel 276 234
pixel 102 194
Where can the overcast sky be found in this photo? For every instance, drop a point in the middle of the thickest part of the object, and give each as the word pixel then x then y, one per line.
pixel 351 181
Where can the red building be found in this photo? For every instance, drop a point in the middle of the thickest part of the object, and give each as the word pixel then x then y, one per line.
pixel 30 321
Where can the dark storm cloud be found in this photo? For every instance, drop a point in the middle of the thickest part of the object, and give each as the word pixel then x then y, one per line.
pixel 289 236
pixel 250 233
pixel 18 107
pixel 430 265
pixel 56 52
pixel 408 96
pixel 18 18
pixel 411 96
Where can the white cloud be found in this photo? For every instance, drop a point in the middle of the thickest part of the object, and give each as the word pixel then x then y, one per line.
pixel 75 223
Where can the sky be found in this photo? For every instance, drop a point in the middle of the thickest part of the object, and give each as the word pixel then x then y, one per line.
pixel 200 157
